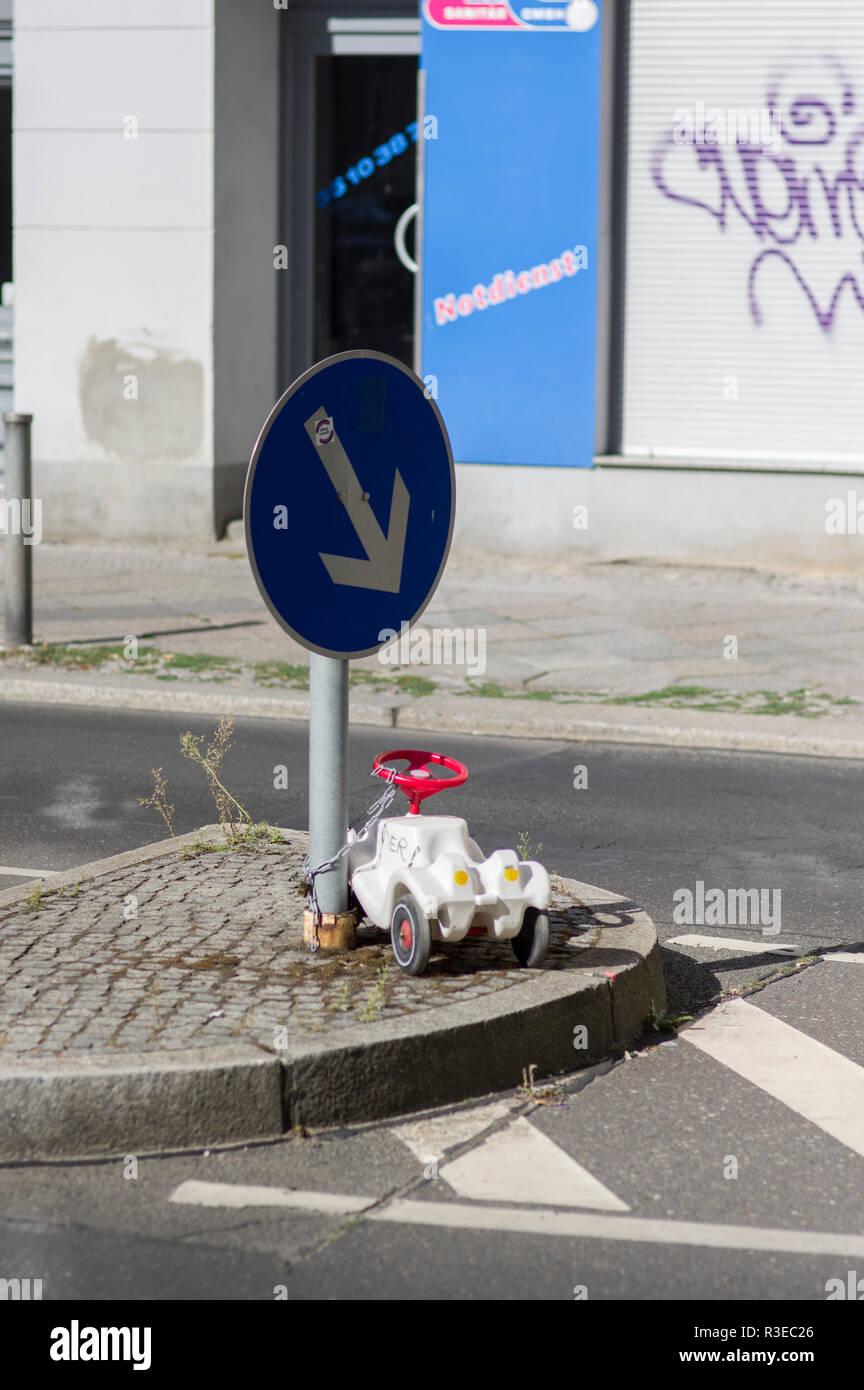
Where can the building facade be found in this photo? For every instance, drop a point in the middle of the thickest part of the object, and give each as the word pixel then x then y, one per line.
pixel 622 243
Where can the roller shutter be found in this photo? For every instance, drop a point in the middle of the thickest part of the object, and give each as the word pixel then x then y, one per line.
pixel 744 305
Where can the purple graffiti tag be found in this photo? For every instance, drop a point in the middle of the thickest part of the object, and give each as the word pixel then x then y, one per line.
pixel 825 318
pixel 802 113
pixel 847 99
pixel 708 156
pixel 850 178
pixel 813 131
pixel 752 161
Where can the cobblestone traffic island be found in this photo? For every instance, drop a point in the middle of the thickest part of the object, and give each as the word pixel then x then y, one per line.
pixel 194 947
pixel 205 945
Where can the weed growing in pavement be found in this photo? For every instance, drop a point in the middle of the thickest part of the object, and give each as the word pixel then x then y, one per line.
pixel 159 800
pixel 257 837
pixel 223 666
pixel 808 702
pixel 199 846
pixel 377 996
pixel 231 813
pixel 35 896
pixel 360 675
pixel 415 685
pixel 85 658
pixel 281 673
pixel 754 986
pixel 490 690
pixel 802 702
pixel 525 849
pixel 341 1002
pixel 546 1095
pixel 238 828
pixel 663 1021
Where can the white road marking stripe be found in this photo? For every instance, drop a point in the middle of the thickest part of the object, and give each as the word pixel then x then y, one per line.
pixel 587 1226
pixel 816 1082
pixel 432 1137
pixel 846 957
pixel 228 1194
pixel 30 873
pixel 519 1164
pixel 729 943
pixel 567 1224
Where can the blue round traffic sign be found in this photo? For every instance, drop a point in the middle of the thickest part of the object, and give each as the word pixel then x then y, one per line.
pixel 349 504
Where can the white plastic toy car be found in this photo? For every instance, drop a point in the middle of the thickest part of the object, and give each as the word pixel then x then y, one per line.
pixel 424 879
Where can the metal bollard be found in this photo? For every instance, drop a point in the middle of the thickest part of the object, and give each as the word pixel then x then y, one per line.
pixel 18 567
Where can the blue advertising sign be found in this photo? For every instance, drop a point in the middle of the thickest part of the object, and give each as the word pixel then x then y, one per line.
pixel 510 209
pixel 349 504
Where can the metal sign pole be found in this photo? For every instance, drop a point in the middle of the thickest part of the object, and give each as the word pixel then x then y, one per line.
pixel 328 776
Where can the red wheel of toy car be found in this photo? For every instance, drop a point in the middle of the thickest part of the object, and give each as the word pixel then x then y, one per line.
pixel 417 781
pixel 406 935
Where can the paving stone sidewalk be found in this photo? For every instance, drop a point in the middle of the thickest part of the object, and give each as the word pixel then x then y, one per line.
pixel 549 629
pixel 196 949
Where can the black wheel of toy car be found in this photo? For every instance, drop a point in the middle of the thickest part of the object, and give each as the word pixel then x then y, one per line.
pixel 410 936
pixel 532 942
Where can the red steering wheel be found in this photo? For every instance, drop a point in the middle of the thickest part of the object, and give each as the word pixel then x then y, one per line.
pixel 417 782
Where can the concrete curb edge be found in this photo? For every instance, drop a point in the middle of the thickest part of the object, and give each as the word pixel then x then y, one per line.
pixel 99 1104
pixel 500 718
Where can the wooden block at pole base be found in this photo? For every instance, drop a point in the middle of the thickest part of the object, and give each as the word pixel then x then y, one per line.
pixel 337 931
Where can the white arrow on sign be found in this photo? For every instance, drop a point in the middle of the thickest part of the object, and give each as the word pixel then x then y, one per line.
pixel 383 569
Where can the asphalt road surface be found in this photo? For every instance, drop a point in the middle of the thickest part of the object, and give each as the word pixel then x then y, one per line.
pixel 724 1163
pixel 675 1174
pixel 650 822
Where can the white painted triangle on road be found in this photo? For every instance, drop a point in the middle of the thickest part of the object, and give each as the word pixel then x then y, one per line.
pixel 520 1164
pixel 515 1164
pixel 430 1137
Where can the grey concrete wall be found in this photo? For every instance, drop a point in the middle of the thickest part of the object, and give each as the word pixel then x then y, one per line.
pixel 246 191
pixel 113 243
pixel 691 516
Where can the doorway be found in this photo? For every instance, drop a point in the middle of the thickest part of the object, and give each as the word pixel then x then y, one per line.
pixel 349 168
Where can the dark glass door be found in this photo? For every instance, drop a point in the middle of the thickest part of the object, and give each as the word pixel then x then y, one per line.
pixel 365 135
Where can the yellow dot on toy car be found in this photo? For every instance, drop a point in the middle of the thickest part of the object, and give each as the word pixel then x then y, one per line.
pixel 460 877
pixel 511 875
